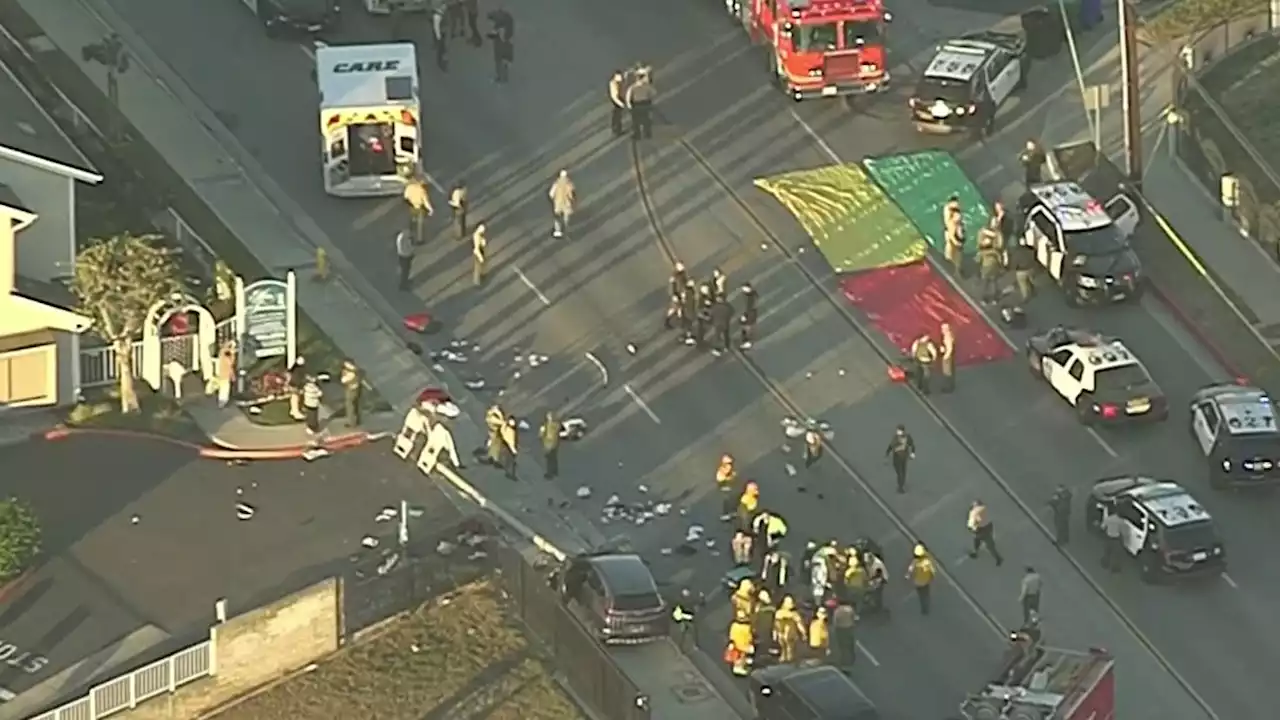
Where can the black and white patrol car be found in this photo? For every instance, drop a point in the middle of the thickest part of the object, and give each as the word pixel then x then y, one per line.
pixel 1098 376
pixel 1235 428
pixel 281 17
pixel 967 81
pixel 1082 243
pixel 1164 528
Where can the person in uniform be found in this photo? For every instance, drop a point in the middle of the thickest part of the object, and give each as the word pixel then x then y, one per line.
pixel 762 625
pixel 1032 159
pixel 741 547
pixel 877 580
pixel 1022 261
pixel 479 254
pixel 503 47
pixel 748 505
pixel 743 601
pixel 702 321
pixel 617 102
pixel 640 98
pixel 750 315
pixel 812 446
pixel 1111 532
pixel 1029 594
pixel 741 647
pixel 1060 506
pixel 675 290
pixel 683 616
pixel 990 268
pixel 844 640
pixel 947 358
pixel 510 447
pixel 495 418
pixel 440 35
pixel 1001 224
pixel 471 8
pixel 726 480
pixel 901 450
pixel 920 574
pixel 819 636
pixel 455 19
pixel 775 570
pixel 721 314
pixel 719 285
pixel 788 630
pixel 983 531
pixel 458 208
pixel 953 234
pixel 924 354
pixel 819 578
pixel 352 388
pixel 549 433
pixel 689 312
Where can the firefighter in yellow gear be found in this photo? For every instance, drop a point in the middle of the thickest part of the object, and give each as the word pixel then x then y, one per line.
pixel 788 630
pixel 920 573
pixel 740 649
pixel 819 636
pixel 726 479
pixel 855 575
pixel 769 526
pixel 743 601
pixel 748 505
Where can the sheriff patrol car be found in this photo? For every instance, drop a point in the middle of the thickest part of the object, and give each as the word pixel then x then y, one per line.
pixel 1098 376
pixel 967 81
pixel 305 16
pixel 1235 428
pixel 1163 527
pixel 1082 243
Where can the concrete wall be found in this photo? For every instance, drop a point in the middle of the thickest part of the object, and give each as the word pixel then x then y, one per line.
pixel 256 648
pixel 44 248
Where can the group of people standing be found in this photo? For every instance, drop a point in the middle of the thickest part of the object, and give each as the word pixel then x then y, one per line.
pixel 460 19
pixel 704 314
pixel 502 446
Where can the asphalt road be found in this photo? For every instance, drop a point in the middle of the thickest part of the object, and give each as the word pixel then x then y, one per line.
pixel 143 534
pixel 602 290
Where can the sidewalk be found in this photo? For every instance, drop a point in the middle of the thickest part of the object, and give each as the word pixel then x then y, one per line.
pixel 1251 274
pixel 193 141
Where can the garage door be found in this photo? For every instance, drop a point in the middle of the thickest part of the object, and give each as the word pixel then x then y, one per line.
pixel 25 376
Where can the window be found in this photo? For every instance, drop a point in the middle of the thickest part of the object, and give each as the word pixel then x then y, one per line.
pixel 1099 241
pixel 637 602
pixel 1192 536
pixel 1125 378
pixel 999 59
pixel 399 87
pixel 1077 369
pixel 1062 357
pixel 1130 513
pixel 1045 225
pixel 951 91
pixel 861 32
pixel 594 585
pixel 1211 418
pixel 814 38
pixel 337 149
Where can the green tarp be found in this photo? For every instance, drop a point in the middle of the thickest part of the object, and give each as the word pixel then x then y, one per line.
pixel 853 223
pixel 920 183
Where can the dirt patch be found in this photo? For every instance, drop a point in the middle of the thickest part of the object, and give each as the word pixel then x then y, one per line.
pixel 461 656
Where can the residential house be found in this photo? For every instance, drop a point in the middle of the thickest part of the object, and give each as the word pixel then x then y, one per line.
pixel 39 333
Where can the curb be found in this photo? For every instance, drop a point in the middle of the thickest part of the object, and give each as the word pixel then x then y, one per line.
pixel 221 451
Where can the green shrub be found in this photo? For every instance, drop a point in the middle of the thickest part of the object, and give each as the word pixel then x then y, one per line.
pixel 19 538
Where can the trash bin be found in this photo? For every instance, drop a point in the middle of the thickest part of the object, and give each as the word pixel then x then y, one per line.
pixel 1044 31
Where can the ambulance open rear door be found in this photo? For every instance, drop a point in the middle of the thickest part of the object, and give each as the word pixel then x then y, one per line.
pixel 337 155
pixel 408 151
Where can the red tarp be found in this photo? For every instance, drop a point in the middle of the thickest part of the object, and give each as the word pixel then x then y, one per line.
pixel 908 301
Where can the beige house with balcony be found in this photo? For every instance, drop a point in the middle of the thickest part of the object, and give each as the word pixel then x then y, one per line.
pixel 39 334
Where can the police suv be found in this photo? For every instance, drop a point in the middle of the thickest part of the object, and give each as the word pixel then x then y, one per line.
pixel 304 16
pixel 967 81
pixel 1235 428
pixel 1162 526
pixel 1082 243
pixel 1098 376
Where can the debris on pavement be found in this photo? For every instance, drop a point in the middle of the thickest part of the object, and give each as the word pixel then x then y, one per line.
pixel 244 511
pixel 369 541
pixel 574 428
pixel 315 453
pixel 386 514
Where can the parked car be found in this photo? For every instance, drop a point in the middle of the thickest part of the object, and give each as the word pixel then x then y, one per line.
pixel 615 595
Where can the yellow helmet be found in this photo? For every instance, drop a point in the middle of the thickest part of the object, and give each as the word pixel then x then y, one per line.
pixel 919 551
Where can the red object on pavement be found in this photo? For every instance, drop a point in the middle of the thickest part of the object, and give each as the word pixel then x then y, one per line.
pixel 908 301
pixel 417 322
pixel 897 374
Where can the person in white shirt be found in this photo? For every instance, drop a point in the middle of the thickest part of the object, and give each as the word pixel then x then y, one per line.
pixel 404 257
pixel 563 195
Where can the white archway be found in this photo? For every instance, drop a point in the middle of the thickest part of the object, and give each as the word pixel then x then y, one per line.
pixel 206 336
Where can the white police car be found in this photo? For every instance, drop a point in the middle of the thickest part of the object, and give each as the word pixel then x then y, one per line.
pixel 1163 527
pixel 968 80
pixel 1098 376
pixel 1083 243
pixel 1235 428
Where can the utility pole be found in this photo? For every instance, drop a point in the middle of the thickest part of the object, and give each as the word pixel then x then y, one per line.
pixel 1131 101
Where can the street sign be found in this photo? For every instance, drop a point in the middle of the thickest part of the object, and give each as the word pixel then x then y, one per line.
pixel 267 310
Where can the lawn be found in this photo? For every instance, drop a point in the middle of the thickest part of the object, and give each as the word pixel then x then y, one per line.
pixel 158 414
pixel 461 655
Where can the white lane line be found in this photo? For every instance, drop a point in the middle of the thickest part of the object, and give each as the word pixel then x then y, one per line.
pixel 604 371
pixel 867 652
pixel 529 284
pixel 1229 581
pixel 822 144
pixel 643 405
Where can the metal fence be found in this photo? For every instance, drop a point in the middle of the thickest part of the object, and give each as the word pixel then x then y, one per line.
pixel 1211 144
pixel 584 662
pixel 126 691
pixel 98 366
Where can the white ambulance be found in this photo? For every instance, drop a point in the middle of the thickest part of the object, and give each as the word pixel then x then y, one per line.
pixel 369 118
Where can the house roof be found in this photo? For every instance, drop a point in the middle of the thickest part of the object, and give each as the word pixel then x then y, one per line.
pixel 29 136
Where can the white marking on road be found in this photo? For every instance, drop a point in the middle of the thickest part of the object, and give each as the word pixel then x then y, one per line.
pixel 988 174
pixel 1229 581
pixel 643 405
pixel 927 513
pixel 867 652
pixel 816 137
pixel 604 371
pixel 529 284
pixel 1102 441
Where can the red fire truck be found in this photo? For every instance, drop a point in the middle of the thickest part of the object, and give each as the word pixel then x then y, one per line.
pixel 1040 683
pixel 822 48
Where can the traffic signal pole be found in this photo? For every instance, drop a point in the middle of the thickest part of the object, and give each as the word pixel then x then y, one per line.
pixel 1131 101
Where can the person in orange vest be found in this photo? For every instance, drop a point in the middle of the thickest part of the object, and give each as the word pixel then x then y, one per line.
pixel 748 505
pixel 920 573
pixel 740 648
pixel 726 477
